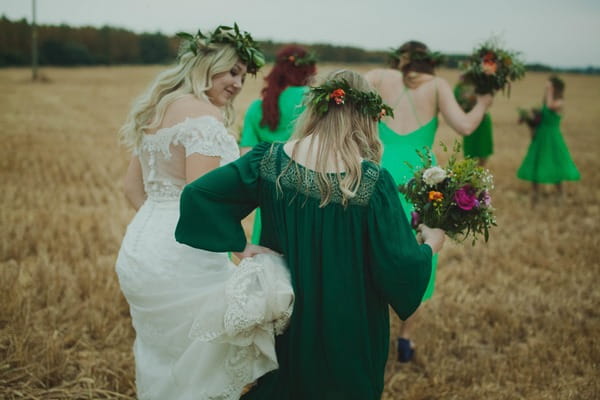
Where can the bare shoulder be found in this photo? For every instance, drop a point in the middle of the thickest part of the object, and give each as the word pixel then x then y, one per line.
pixel 382 75
pixel 190 106
pixel 557 105
pixel 439 84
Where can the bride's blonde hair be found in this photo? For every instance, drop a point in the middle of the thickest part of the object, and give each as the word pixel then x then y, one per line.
pixel 191 75
pixel 345 134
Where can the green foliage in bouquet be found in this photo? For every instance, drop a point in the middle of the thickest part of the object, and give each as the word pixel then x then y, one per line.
pixel 531 117
pixel 492 68
pixel 455 198
pixel 464 92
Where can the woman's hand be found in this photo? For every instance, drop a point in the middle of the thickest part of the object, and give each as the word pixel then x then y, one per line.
pixel 251 250
pixel 486 100
pixel 434 237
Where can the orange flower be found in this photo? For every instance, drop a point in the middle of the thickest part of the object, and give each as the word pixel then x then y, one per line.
pixel 436 196
pixel 292 58
pixel 338 96
pixel 489 67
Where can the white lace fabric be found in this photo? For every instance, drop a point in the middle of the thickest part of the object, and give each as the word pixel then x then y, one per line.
pixel 205 328
pixel 162 155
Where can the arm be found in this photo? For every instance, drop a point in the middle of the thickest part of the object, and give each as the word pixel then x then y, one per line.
pixel 197 165
pixel 461 122
pixel 133 184
pixel 213 206
pixel 400 267
pixel 551 102
pixel 244 150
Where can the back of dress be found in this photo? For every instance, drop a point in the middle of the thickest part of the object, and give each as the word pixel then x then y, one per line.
pixel 347 264
pixel 162 155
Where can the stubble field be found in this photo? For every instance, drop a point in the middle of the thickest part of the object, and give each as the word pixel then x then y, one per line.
pixel 516 318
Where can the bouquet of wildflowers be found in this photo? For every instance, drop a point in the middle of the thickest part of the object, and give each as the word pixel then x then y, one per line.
pixel 531 117
pixel 455 198
pixel 465 95
pixel 492 68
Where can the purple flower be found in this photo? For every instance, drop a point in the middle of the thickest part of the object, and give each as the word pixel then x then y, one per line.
pixel 415 218
pixel 485 198
pixel 465 198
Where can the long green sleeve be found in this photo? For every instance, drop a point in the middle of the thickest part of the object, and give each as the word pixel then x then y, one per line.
pixel 400 266
pixel 213 206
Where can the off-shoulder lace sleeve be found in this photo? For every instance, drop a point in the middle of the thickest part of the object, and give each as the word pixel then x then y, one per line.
pixel 207 136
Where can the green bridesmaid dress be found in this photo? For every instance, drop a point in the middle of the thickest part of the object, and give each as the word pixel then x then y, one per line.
pixel 348 265
pixel 398 149
pixel 479 144
pixel 290 107
pixel 548 159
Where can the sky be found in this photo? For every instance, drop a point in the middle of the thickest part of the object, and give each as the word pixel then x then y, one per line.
pixel 559 33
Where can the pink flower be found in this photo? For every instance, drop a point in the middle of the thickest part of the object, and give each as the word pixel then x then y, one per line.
pixel 465 198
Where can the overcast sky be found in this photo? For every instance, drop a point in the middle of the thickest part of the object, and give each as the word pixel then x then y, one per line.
pixel 561 33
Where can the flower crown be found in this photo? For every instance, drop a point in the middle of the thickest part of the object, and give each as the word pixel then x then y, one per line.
pixel 247 49
pixel 434 58
pixel 338 92
pixel 299 61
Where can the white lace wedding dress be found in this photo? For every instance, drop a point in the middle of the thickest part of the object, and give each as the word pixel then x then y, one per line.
pixel 204 327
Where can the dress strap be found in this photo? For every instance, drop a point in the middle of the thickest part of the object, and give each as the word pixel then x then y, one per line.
pixel 412 105
pixel 437 107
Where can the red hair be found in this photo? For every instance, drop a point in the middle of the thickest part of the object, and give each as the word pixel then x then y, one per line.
pixel 285 73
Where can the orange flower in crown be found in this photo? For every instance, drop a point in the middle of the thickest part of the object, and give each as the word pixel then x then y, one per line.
pixel 338 96
pixel 291 58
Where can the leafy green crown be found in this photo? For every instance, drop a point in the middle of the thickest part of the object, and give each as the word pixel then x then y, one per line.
pixel 434 58
pixel 299 61
pixel 247 49
pixel 338 92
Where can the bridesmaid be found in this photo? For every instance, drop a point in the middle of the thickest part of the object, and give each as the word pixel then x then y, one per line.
pixel 548 159
pixel 480 143
pixel 334 214
pixel 271 119
pixel 417 96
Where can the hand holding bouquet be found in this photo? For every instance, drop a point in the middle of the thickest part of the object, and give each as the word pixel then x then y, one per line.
pixel 491 68
pixel 531 117
pixel 464 93
pixel 455 198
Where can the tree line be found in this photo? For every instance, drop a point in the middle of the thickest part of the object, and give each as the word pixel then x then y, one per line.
pixel 63 45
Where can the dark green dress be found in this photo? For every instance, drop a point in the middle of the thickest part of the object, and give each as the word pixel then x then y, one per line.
pixel 290 107
pixel 548 159
pixel 347 265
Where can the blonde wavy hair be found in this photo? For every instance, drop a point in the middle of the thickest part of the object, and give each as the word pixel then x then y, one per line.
pixel 191 75
pixel 344 133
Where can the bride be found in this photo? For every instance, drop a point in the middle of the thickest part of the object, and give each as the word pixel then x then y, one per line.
pixel 204 327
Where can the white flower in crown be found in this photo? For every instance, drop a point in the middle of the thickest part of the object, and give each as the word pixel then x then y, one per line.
pixel 434 175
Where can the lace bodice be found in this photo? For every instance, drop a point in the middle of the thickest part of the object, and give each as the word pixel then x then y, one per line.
pixel 162 155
